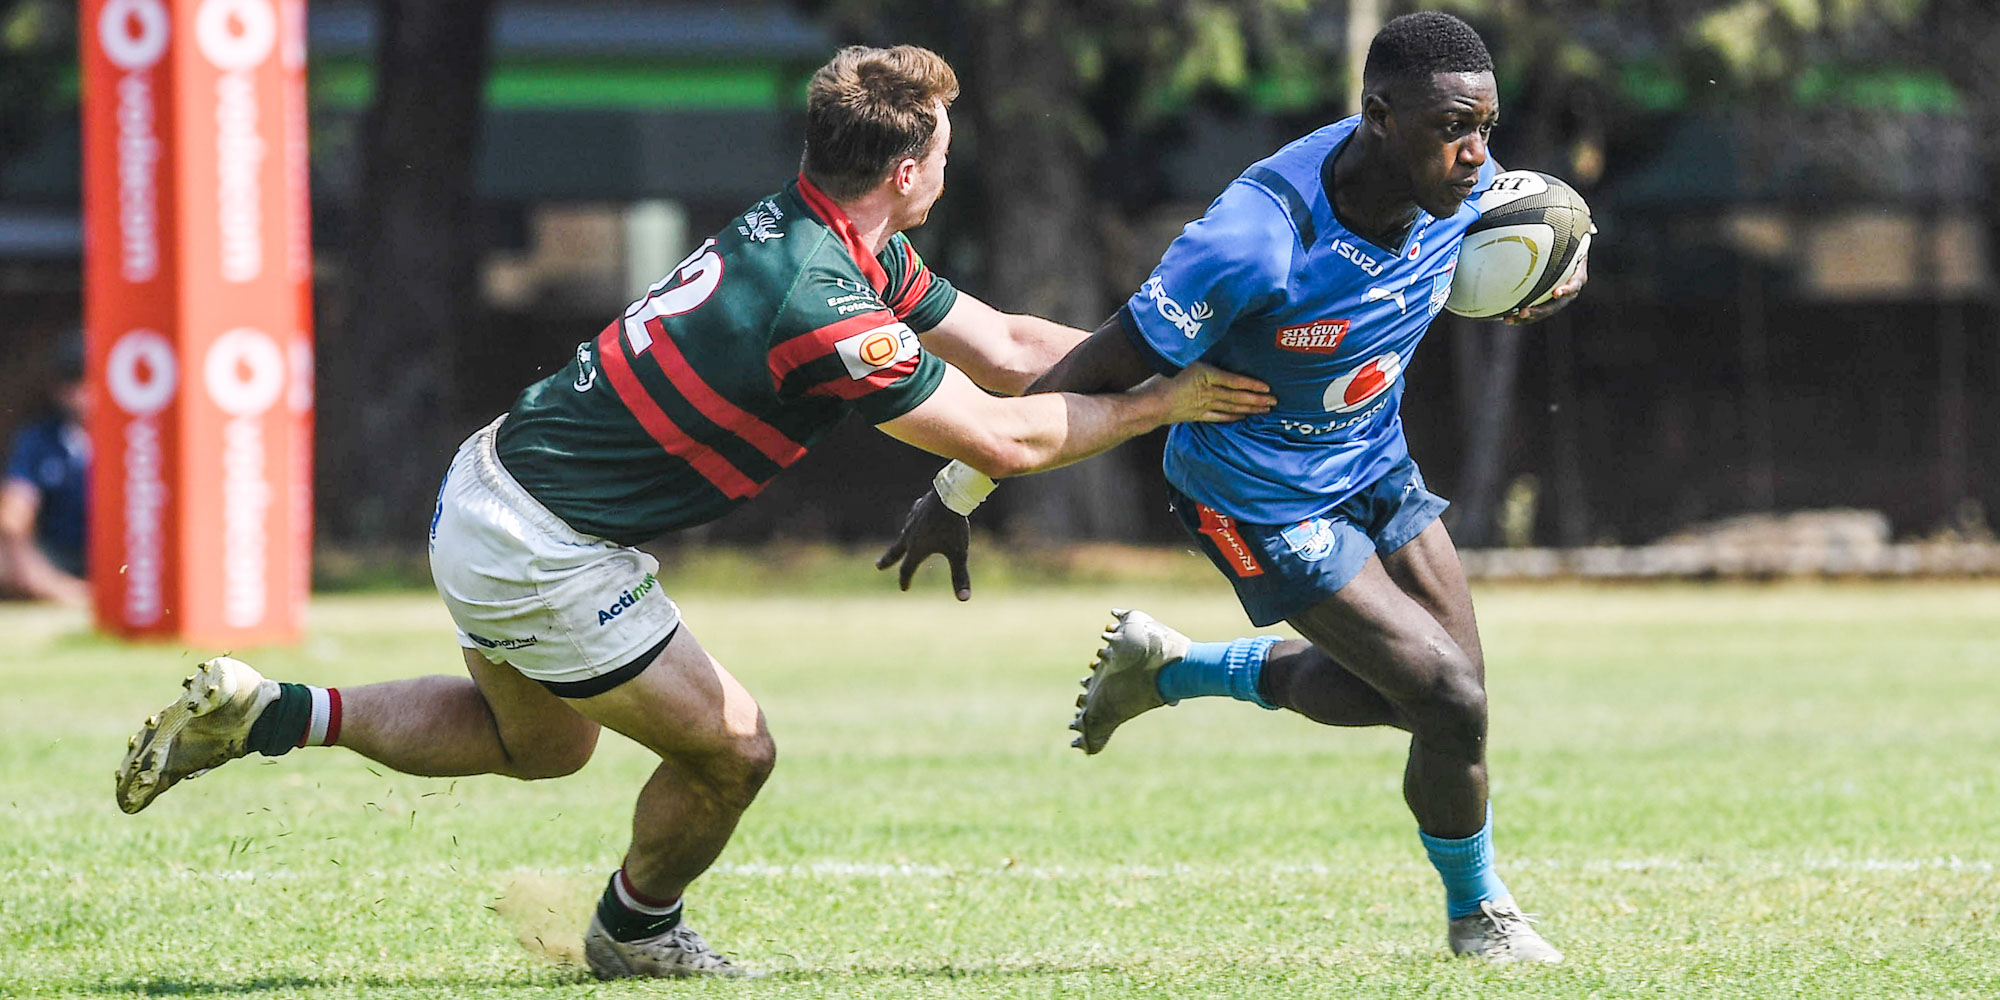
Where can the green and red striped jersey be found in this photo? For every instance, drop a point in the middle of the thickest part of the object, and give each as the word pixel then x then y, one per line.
pixel 727 371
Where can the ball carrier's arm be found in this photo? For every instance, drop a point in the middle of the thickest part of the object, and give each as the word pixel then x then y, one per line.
pixel 1106 361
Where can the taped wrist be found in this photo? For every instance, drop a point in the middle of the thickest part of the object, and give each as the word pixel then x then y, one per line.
pixel 961 487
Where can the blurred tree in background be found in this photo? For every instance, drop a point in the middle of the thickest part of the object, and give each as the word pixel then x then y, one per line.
pixel 412 295
pixel 1074 116
pixel 37 47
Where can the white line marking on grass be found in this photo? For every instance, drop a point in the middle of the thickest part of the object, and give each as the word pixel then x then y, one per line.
pixel 834 869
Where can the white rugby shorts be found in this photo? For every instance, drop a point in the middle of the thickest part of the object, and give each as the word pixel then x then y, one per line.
pixel 578 613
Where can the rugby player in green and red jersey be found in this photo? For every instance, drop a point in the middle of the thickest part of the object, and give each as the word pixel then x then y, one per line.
pixel 809 306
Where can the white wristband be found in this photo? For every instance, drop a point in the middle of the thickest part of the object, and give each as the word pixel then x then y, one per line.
pixel 961 487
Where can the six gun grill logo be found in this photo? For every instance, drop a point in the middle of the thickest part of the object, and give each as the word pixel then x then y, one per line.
pixel 1321 336
pixel 1187 321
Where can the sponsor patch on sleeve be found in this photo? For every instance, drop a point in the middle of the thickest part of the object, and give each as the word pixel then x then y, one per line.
pixel 864 354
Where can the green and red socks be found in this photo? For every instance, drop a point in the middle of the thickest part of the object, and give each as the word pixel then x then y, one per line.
pixel 302 716
pixel 630 915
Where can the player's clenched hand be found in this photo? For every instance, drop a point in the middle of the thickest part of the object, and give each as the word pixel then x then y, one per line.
pixel 1565 293
pixel 932 529
pixel 1208 394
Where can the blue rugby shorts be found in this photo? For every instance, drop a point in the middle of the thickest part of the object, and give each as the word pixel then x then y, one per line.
pixel 1279 570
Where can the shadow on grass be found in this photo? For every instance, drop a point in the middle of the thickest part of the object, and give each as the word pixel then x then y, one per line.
pixel 291 985
pixel 564 975
pixel 997 971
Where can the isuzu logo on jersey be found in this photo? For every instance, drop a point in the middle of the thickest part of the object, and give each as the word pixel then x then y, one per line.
pixel 1321 336
pixel 1359 387
pixel 1349 252
pixel 1187 321
pixel 864 354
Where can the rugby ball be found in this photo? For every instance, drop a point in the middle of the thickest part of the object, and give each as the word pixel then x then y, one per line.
pixel 1533 231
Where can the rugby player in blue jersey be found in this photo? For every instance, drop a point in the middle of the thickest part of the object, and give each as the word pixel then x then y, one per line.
pixel 1318 271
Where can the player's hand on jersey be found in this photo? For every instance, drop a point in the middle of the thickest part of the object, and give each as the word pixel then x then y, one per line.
pixel 931 529
pixel 1207 394
pixel 1565 293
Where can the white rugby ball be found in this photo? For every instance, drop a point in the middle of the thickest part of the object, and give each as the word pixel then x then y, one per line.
pixel 1532 232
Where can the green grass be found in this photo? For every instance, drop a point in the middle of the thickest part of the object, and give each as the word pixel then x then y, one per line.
pixel 1718 792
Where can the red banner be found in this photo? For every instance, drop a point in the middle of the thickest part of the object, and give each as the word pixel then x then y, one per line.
pixel 198 317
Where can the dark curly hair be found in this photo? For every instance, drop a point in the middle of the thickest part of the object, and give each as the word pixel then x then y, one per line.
pixel 1415 47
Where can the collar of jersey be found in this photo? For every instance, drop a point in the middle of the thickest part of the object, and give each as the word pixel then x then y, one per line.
pixel 1417 225
pixel 843 227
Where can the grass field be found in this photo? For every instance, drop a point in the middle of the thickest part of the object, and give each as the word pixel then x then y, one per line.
pixel 1714 792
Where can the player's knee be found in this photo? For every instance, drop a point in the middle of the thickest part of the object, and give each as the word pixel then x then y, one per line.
pixel 759 755
pixel 553 756
pixel 738 772
pixel 1451 717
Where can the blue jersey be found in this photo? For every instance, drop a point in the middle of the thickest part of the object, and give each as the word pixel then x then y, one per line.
pixel 53 456
pixel 1269 283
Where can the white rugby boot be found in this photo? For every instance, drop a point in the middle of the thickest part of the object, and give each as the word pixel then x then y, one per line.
pixel 1500 932
pixel 678 954
pixel 205 727
pixel 1124 681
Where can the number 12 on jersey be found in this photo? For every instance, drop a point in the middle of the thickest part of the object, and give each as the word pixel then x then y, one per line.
pixel 690 284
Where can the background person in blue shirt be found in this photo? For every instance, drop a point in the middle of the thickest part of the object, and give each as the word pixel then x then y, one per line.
pixel 1318 271
pixel 45 495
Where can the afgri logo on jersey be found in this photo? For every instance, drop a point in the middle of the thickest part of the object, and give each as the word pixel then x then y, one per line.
pixel 1359 387
pixel 1187 321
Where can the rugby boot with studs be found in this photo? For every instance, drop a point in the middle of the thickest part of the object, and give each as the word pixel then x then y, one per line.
pixel 678 954
pixel 1125 679
pixel 208 725
pixel 1500 932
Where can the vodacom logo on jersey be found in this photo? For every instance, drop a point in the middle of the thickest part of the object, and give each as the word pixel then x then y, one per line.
pixel 1364 384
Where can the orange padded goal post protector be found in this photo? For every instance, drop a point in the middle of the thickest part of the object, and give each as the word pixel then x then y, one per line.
pixel 197 314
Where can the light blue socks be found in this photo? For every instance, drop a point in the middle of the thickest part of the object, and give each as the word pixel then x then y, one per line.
pixel 1466 866
pixel 1218 668
pixel 1232 668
